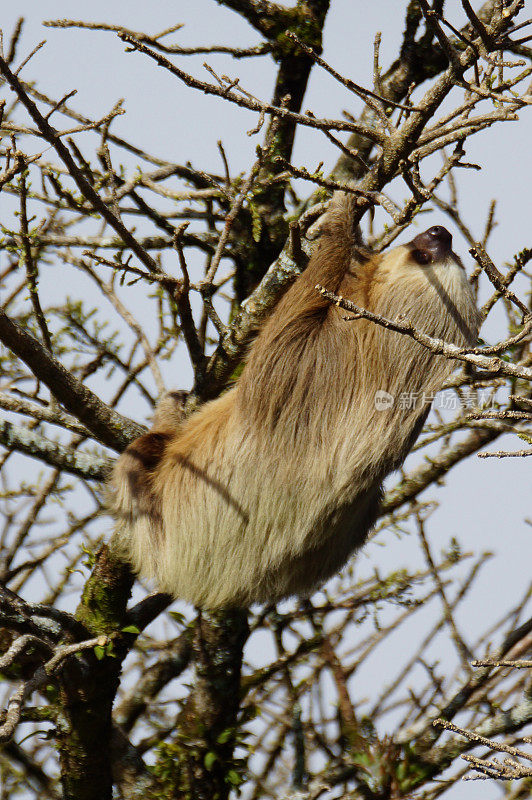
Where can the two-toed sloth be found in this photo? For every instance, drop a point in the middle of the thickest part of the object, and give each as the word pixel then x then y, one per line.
pixel 265 492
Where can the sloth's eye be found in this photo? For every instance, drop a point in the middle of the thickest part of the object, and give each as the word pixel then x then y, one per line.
pixel 421 256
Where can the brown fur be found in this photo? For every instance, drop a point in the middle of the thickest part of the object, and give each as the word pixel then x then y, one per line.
pixel 266 491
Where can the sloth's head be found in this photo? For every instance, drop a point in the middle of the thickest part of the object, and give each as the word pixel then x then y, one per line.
pixel 427 257
pixel 424 280
pixel 432 248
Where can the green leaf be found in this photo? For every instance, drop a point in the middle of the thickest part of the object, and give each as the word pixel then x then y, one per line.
pixel 210 759
pixel 233 778
pixel 224 737
pixel 130 629
pixel 99 652
pixel 109 650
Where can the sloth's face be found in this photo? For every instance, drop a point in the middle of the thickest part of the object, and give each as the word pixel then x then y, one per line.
pixel 426 282
pixel 432 247
pixel 428 251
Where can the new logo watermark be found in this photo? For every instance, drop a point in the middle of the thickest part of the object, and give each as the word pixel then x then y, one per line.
pixel 383 400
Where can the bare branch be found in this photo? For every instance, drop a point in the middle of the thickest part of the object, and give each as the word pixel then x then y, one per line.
pixel 15 437
pixel 106 425
pixel 246 101
pixel 471 355
pixel 154 41
pixel 52 136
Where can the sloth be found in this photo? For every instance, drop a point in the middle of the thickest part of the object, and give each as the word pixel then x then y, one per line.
pixel 265 492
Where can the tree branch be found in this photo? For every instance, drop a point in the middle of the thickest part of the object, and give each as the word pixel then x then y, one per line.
pixel 109 427
pixel 51 135
pixel 24 440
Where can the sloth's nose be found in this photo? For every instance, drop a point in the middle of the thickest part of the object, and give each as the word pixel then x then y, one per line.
pixel 432 245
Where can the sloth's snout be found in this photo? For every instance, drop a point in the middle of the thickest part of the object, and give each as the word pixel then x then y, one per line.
pixel 433 245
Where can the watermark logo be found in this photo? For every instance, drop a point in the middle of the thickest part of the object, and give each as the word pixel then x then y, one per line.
pixel 383 400
pixel 446 400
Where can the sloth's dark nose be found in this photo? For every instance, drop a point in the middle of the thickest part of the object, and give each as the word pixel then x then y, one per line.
pixel 432 245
